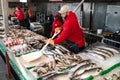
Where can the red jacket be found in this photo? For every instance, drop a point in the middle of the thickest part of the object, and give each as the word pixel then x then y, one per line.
pixel 19 14
pixel 71 31
pixel 56 23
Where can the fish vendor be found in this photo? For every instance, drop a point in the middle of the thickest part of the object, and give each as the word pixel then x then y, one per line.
pixel 71 32
pixel 56 24
pixel 18 13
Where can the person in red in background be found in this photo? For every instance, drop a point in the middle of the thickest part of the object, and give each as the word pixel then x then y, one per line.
pixel 56 24
pixel 71 32
pixel 18 13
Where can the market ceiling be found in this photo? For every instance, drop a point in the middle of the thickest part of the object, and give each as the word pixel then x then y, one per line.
pixel 78 0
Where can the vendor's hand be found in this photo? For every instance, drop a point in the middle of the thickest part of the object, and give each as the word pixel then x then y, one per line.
pixel 57 30
pixel 50 41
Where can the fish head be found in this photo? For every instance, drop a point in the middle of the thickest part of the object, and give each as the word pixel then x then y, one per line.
pixel 93 64
pixel 99 69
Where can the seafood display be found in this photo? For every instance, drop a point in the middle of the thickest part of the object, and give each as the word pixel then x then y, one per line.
pixel 87 73
pixel 24 34
pixel 44 68
pixel 31 38
pixel 82 68
pixel 109 49
pixel 58 63
pixel 13 42
pixel 21 49
pixel 2 30
pixel 113 77
pixel 79 71
pixel 17 46
pixel 57 76
pixel 102 52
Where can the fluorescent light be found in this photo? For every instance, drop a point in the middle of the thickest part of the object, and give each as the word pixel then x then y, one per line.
pixel 23 1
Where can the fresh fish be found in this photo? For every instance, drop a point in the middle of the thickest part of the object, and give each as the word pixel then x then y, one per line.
pixel 99 52
pixel 105 78
pixel 102 57
pixel 58 76
pixel 87 73
pixel 47 76
pixel 59 52
pixel 82 68
pixel 105 51
pixel 42 70
pixel 61 49
pixel 114 77
pixel 75 67
pixel 118 74
pixel 53 51
pixel 108 48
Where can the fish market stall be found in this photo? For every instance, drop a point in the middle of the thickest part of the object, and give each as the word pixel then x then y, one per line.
pixel 97 62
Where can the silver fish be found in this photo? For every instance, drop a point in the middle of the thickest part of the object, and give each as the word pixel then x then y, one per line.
pixel 58 76
pixel 99 52
pixel 75 67
pixel 82 68
pixel 108 48
pixel 102 57
pixel 114 77
pixel 105 51
pixel 53 51
pixel 59 52
pixel 61 49
pixel 118 74
pixel 87 73
pixel 48 75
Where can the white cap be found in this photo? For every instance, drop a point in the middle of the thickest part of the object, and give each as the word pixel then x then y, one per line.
pixel 65 8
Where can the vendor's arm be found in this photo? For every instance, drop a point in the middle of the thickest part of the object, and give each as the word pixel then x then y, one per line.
pixel 67 31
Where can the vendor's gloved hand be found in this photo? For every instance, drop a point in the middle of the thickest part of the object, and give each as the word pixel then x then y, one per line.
pixel 58 30
pixel 50 40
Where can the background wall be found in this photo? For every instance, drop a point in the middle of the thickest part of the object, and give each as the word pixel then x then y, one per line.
pixel 99 13
pixel 0 8
pixel 53 8
pixel 100 17
pixel 11 10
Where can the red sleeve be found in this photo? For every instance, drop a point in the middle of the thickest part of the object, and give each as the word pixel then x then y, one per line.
pixel 15 14
pixel 67 31
pixel 20 15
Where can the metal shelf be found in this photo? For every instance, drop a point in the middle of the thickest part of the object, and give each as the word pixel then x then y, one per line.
pixel 104 40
